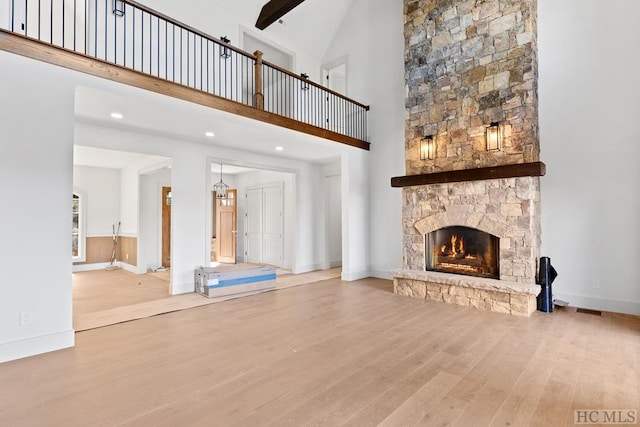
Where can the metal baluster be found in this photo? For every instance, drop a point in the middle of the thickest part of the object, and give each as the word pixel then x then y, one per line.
pixel 133 48
pixel 63 34
pixel 115 39
pixel 124 36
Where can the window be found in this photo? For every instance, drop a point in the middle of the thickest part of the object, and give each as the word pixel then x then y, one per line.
pixel 77 234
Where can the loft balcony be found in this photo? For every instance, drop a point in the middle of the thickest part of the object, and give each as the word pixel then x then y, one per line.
pixel 132 44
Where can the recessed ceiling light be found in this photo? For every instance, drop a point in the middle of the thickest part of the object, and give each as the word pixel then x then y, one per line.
pixel 116 115
pixel 278 148
pixel 209 134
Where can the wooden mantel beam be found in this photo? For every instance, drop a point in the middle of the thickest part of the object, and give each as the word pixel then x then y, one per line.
pixel 274 10
pixel 494 172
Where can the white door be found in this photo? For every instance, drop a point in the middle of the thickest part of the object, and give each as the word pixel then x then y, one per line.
pixel 253 224
pixel 334 220
pixel 273 204
pixel 265 225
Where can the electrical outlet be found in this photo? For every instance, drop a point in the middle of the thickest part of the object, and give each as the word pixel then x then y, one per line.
pixel 595 284
pixel 25 318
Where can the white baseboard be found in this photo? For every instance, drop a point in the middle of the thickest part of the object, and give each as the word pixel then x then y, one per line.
pixel 602 304
pixel 351 276
pixel 307 268
pixel 90 267
pixel 36 345
pixel 130 268
pixel 382 274
pixel 182 288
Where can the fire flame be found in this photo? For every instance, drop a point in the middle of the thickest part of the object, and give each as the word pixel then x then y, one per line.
pixel 457 246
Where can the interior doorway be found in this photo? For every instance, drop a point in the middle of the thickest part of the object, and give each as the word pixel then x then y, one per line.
pixel 334 76
pixel 333 220
pixel 226 214
pixel 166 227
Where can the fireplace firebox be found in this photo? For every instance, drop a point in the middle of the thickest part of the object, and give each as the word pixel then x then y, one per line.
pixel 463 250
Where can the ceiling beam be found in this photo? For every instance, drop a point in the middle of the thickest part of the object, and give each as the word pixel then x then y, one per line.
pixel 274 10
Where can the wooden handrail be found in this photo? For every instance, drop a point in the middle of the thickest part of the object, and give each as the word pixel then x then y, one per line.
pixel 312 83
pixel 322 107
pixel 188 28
pixel 31 48
pixel 240 51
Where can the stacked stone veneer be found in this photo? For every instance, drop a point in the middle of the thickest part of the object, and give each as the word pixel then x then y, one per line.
pixel 469 63
pixel 507 208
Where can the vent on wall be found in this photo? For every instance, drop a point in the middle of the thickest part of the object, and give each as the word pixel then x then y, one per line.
pixel 587 311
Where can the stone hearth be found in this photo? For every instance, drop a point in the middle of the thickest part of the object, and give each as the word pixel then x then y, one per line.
pixel 499 296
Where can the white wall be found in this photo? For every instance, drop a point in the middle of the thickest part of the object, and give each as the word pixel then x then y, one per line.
pixel 129 190
pixel 590 141
pixel 355 214
pixel 36 180
pixel 102 191
pixel 386 126
pixel 372 39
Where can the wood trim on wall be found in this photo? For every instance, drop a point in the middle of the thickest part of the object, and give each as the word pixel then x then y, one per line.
pixel 128 250
pixel 34 49
pixel 99 250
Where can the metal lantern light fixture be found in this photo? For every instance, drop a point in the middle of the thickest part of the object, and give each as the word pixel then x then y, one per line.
pixel 304 85
pixel 221 188
pixel 428 148
pixel 225 52
pixel 118 7
pixel 494 137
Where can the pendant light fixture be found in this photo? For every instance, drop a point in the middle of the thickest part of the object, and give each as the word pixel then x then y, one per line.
pixel 221 188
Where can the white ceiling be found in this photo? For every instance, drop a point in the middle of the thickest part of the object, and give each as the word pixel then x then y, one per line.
pixel 229 169
pixel 149 112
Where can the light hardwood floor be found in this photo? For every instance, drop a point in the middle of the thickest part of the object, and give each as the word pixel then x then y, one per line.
pixel 334 353
pixel 102 297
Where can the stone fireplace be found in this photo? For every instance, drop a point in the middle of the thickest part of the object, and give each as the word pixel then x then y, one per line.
pixel 471 216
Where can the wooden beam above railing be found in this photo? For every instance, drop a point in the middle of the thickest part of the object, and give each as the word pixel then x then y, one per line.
pixel 274 10
pixel 480 174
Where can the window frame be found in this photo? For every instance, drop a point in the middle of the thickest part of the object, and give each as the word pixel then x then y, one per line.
pixel 82 232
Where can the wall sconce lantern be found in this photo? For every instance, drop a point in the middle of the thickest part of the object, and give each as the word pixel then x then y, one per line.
pixel 494 137
pixel 225 52
pixel 168 201
pixel 118 7
pixel 428 148
pixel 303 84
